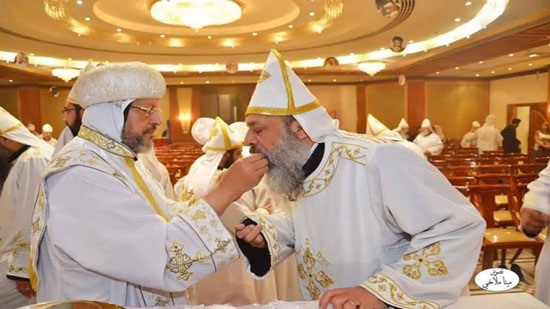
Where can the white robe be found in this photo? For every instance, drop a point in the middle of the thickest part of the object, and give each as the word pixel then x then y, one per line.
pixel 378 216
pixel 104 230
pixel 488 138
pixel 538 198
pixel 158 171
pixel 16 206
pixel 64 138
pixel 231 284
pixel 431 143
pixel 469 140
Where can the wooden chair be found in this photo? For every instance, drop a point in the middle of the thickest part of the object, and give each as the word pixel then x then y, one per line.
pixel 529 168
pixel 483 197
pixel 450 171
pixel 495 169
pixel 462 183
pixel 461 162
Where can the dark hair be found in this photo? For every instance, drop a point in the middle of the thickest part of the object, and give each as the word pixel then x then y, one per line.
pixel 516 121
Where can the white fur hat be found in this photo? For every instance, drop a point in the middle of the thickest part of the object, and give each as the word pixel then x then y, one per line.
pixel 280 92
pixel 216 135
pixel 47 128
pixel 476 124
pixel 117 82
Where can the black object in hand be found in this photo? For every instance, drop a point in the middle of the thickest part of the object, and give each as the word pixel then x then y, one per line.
pixel 247 221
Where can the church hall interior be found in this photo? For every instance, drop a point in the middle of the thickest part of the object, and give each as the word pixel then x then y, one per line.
pixel 448 68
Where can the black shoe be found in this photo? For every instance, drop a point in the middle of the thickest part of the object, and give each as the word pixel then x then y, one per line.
pixel 503 266
pixel 515 268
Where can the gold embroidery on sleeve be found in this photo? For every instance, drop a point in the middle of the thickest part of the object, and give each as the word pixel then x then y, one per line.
pixel 180 263
pixel 309 268
pixel 397 297
pixel 435 268
pixel 20 245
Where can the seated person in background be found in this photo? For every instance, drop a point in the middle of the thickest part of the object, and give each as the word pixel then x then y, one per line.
pixel 470 138
pixel 535 216
pixel 403 129
pixel 47 134
pixel 373 225
pixel 103 228
pixel 222 145
pixel 427 140
pixel 542 141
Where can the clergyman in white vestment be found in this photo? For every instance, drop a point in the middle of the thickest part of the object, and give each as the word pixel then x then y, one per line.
pixel 535 216
pixel 375 224
pixel 102 228
pixel 28 157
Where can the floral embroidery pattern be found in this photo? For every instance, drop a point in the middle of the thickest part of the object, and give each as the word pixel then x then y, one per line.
pixel 105 142
pixel 309 269
pixel 270 233
pixel 161 302
pixel 388 291
pixel 435 268
pixel 339 151
pixel 20 245
pixel 180 263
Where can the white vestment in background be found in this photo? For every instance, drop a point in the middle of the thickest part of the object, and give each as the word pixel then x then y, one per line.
pixel 378 216
pixel 104 230
pixel 488 138
pixel 469 140
pixel 431 143
pixel 16 206
pixel 64 138
pixel 158 171
pixel 538 198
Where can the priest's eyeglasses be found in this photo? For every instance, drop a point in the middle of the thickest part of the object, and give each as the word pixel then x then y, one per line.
pixel 148 110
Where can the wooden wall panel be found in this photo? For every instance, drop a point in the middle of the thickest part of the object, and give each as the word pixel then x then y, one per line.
pixel 415 103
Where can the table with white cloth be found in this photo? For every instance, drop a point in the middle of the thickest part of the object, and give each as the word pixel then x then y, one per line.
pixel 488 301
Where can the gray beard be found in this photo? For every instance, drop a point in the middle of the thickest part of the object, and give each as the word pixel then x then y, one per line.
pixel 285 174
pixel 135 142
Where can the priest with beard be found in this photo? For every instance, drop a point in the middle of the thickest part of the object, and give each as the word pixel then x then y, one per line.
pixel 374 223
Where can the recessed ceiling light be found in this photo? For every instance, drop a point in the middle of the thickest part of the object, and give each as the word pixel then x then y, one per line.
pixel 181 83
pixel 532 55
pixel 477 75
pixel 530 64
pixel 208 82
pixel 492 72
pixel 334 80
pixel 162 35
pixel 11 80
pixel 509 69
pixel 309 80
pixel 468 3
pixel 437 73
pixel 481 62
pixel 254 33
pixel 209 37
pixel 457 19
pixel 87 18
pixel 511 55
pixel 456 68
pixel 118 30
pixel 290 26
pixel 31 54
pixel 311 14
pixel 411 41
pixel 79 2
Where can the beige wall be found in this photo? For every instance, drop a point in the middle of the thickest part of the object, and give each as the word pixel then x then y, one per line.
pixel 455 104
pixel 522 89
pixel 50 111
pixel 342 99
pixel 386 102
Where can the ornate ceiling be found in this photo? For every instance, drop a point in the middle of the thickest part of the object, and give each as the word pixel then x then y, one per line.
pixel 68 33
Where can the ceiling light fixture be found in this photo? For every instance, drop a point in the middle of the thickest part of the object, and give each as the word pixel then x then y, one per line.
pixel 196 14
pixel 65 74
pixel 371 67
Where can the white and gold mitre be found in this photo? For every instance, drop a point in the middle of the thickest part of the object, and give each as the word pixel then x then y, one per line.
pixel 216 135
pixel 117 82
pixel 280 92
pixel 374 126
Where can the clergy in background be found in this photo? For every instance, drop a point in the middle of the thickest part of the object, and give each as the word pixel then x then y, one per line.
pixel 374 223
pixel 469 140
pixel 378 129
pixel 428 140
pixel 28 156
pixel 403 129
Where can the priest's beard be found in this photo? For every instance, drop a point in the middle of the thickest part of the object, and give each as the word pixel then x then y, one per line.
pixel 285 174
pixel 136 140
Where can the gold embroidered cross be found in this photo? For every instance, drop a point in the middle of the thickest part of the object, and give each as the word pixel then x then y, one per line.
pixel 307 271
pixel 435 268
